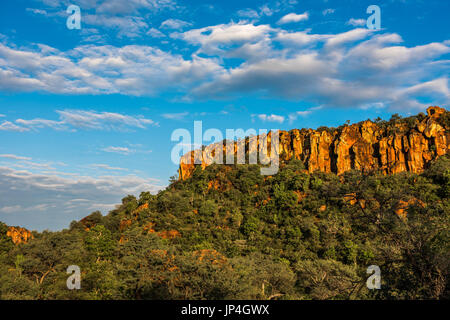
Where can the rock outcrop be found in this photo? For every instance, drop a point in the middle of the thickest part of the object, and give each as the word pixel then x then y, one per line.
pixel 399 145
pixel 19 235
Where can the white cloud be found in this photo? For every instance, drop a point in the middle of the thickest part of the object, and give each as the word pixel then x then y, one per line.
pixel 44 200
pixel 293 17
pixel 352 69
pixel 115 6
pixel 439 86
pixel 11 209
pixel 89 69
pixel 266 10
pixel 33 165
pixel 175 24
pixel 106 167
pixel 36 11
pixel 303 113
pixel 23 162
pixel 348 36
pixel 155 33
pixel 378 54
pixel 133 6
pixel 248 13
pixel 128 26
pixel 356 68
pixel 80 119
pixel 220 38
pixel 102 120
pixel 121 150
pixel 437 89
pixel 269 9
pixel 175 116
pixel 270 118
pixel 9 126
pixel 14 157
pixel 300 38
pixel 125 18
pixel 293 116
pixel 41 123
pixel 356 22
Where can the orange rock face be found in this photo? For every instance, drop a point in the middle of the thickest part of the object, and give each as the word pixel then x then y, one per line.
pixel 124 224
pixel 87 223
pixel 402 207
pixel 19 235
pixel 211 256
pixel 169 234
pixel 364 146
pixel 139 210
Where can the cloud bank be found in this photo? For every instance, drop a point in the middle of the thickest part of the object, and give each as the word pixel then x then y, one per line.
pixel 355 68
pixel 45 199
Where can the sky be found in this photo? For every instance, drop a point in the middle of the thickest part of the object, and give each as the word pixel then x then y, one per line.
pixel 86 115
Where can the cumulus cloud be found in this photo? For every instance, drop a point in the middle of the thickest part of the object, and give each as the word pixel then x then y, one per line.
pixel 293 17
pixel 88 69
pixel 299 39
pixel 229 40
pixel 355 68
pixel 348 37
pixel 45 200
pixel 125 18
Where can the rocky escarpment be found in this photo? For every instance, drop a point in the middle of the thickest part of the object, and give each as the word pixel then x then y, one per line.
pixel 19 235
pixel 398 145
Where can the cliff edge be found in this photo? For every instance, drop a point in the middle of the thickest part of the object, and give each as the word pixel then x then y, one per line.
pixel 406 144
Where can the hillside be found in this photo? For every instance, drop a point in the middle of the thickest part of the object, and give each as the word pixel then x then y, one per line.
pixel 343 199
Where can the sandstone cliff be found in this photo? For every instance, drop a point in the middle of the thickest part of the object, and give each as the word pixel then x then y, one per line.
pixel 19 235
pixel 402 145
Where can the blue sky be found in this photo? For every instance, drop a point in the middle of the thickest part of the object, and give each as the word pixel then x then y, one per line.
pixel 86 115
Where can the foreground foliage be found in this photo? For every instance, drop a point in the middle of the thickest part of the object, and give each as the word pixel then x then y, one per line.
pixel 230 233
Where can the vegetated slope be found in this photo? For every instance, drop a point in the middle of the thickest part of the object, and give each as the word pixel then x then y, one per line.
pixel 228 232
